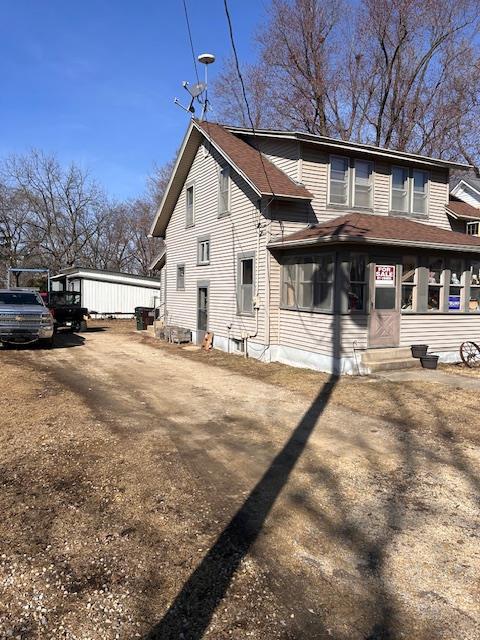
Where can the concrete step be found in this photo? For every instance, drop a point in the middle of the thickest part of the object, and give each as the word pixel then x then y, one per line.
pixel 379 355
pixel 393 365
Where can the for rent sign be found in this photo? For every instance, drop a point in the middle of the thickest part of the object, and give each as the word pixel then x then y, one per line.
pixel 385 275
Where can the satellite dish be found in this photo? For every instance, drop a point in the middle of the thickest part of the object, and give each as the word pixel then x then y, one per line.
pixel 206 58
pixel 196 89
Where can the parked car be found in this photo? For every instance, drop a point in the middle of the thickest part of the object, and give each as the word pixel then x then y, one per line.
pixel 24 319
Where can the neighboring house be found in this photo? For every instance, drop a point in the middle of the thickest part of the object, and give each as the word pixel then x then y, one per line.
pixel 464 205
pixel 314 248
pixel 109 293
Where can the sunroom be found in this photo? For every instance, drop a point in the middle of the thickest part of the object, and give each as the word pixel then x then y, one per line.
pixel 392 282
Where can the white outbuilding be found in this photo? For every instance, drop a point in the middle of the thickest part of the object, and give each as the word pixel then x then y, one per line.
pixel 109 293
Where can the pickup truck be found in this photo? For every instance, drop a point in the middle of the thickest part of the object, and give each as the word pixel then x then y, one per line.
pixel 24 319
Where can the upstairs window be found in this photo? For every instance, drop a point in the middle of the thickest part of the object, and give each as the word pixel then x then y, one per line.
pixel 189 213
pixel 339 174
pixel 419 197
pixel 203 251
pixel 362 193
pixel 399 189
pixel 224 191
pixel 409 190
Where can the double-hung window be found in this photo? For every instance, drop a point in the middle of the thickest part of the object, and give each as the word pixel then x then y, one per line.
pixel 351 182
pixel 362 189
pixel 245 285
pixel 189 206
pixel 409 190
pixel 399 189
pixel 419 191
pixel 224 191
pixel 203 251
pixel 307 283
pixel 339 180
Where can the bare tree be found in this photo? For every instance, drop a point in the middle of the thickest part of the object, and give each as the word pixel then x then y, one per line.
pixel 380 71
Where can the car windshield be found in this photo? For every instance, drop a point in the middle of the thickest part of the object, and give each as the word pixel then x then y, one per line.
pixel 18 297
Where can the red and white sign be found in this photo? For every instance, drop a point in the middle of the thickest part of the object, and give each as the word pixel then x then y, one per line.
pixel 385 275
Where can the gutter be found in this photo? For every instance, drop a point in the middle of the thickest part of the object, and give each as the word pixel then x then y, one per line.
pixel 308 242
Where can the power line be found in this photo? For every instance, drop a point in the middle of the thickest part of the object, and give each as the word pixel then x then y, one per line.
pixel 191 41
pixel 242 83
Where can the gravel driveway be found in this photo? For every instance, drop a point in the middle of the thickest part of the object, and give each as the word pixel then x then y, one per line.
pixel 150 494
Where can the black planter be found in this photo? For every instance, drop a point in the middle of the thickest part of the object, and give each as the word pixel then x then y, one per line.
pixel 429 361
pixel 419 350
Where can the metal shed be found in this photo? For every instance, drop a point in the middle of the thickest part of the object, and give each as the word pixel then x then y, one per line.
pixel 109 293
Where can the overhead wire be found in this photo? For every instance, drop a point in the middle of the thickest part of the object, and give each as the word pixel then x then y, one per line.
pixel 245 97
pixel 191 40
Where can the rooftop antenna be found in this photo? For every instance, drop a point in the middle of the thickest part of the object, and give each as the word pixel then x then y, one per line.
pixel 197 90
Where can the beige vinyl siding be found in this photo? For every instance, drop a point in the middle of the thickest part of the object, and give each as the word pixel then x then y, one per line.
pixel 229 236
pixel 317 332
pixel 443 332
pixel 381 187
pixel 284 153
pixel 437 199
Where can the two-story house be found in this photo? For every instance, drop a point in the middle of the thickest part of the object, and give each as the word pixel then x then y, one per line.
pixel 302 249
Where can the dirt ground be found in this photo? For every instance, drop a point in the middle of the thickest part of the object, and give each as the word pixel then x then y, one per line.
pixel 150 491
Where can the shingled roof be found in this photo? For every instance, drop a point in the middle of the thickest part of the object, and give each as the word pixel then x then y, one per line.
pixel 378 229
pixel 264 176
pixel 462 210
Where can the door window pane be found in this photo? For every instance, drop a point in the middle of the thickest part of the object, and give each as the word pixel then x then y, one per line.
pixel 338 180
pixel 385 298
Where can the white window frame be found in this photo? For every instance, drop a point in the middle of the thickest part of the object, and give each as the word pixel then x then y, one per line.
pixel 474 225
pixel 348 178
pixel 221 171
pixel 241 258
pixel 203 242
pixel 410 191
pixel 188 186
pixel 296 261
pixel 180 266
pixel 354 182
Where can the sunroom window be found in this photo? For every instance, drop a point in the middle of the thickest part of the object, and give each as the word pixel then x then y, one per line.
pixel 455 290
pixel 307 283
pixel 409 283
pixel 474 302
pixel 435 283
pixel 358 282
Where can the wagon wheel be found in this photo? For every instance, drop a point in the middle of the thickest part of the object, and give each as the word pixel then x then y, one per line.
pixel 470 354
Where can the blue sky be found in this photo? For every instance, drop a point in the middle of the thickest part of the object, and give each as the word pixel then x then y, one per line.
pixel 94 81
